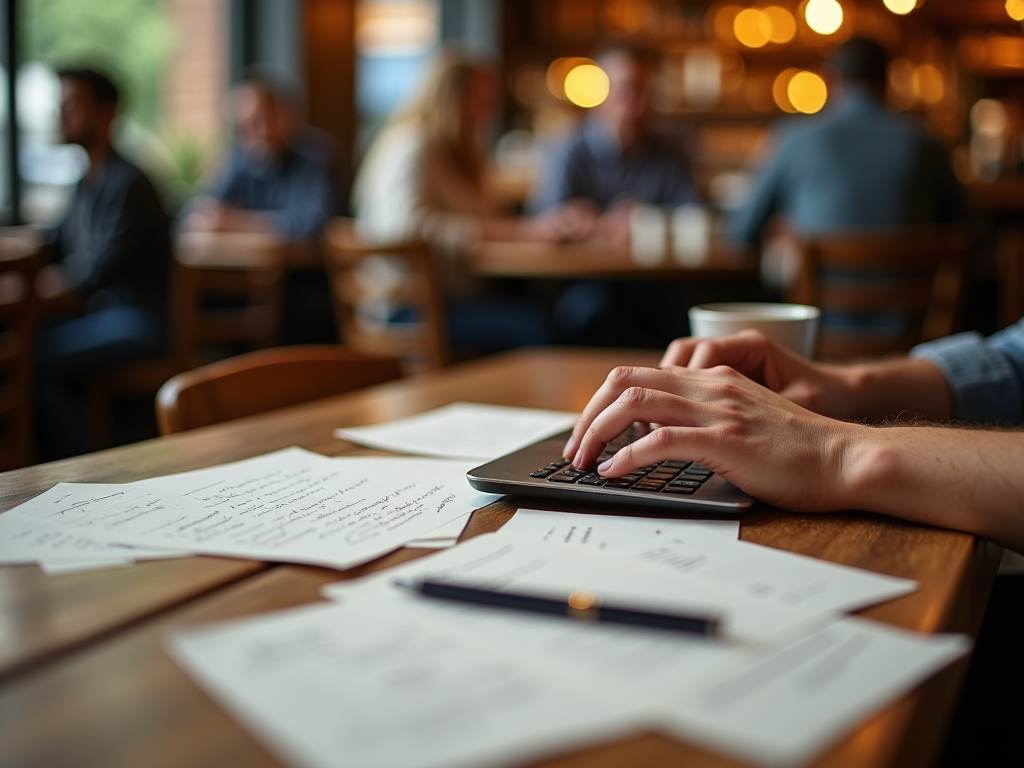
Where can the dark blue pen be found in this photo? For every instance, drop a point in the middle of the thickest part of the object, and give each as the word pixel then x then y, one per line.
pixel 580 605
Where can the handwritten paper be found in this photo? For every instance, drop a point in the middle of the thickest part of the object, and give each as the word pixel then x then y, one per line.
pixel 28 539
pixel 784 579
pixel 352 684
pixel 463 430
pixel 784 707
pixel 291 506
pixel 606 531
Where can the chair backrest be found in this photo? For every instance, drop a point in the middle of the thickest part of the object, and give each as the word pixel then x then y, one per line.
pixel 915 277
pixel 227 289
pixel 19 264
pixel 266 380
pixel 369 281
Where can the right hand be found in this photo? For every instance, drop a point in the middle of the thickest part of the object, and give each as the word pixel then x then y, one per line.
pixel 818 387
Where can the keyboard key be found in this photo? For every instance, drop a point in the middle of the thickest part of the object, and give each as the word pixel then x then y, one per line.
pixel 685 484
pixel 680 490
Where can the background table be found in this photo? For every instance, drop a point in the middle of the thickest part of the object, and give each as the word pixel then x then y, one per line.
pixel 84 681
pixel 600 261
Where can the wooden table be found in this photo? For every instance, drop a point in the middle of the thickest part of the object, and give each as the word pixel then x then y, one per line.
pixel 601 261
pixel 84 682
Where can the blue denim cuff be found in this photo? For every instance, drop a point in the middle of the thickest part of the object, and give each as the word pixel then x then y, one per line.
pixel 984 385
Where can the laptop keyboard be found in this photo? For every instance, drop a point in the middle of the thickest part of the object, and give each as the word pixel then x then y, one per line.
pixel 674 477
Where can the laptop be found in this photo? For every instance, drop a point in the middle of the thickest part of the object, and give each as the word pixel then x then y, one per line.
pixel 540 471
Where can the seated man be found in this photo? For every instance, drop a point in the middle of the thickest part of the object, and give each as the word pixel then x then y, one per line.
pixel 106 290
pixel 280 179
pixel 767 420
pixel 613 161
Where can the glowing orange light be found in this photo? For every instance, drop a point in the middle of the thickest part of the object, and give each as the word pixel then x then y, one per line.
pixel 780 88
pixel 807 92
pixel 1015 8
pixel 752 28
pixel 586 85
pixel 781 23
pixel 900 7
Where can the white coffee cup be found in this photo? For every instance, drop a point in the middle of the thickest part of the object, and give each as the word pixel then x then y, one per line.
pixel 794 326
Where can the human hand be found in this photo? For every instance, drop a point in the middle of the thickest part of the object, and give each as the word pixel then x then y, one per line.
pixel 573 220
pixel 761 442
pixel 818 387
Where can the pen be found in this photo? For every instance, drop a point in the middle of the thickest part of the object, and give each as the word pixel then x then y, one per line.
pixel 580 605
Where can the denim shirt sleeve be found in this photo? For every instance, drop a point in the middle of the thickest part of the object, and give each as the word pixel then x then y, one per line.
pixel 986 376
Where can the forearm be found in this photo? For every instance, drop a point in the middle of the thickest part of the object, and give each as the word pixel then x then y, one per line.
pixel 889 389
pixel 969 480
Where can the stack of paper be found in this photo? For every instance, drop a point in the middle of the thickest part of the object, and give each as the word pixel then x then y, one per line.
pixel 287 506
pixel 790 675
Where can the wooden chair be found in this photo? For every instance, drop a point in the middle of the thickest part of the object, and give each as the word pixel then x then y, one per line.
pixel 920 274
pixel 19 263
pixel 406 276
pixel 229 292
pixel 244 272
pixel 266 380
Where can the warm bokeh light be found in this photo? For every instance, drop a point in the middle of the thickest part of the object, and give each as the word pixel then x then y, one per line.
pixel 780 88
pixel 627 15
pixel 928 84
pixel 723 21
pixel 586 85
pixel 807 92
pixel 1016 9
pixel 752 28
pixel 782 23
pixel 558 70
pixel 823 16
pixel 900 7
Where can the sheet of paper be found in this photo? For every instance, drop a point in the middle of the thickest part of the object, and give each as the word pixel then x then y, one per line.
pixel 783 708
pixel 446 535
pixel 463 430
pixel 770 575
pixel 505 562
pixel 30 539
pixel 329 685
pixel 65 567
pixel 606 531
pixel 289 506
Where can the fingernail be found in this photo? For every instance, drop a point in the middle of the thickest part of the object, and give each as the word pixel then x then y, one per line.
pixel 570 447
pixel 605 465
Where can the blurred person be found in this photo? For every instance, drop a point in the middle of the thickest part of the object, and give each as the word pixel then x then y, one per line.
pixel 279 178
pixel 424 178
pixel 612 161
pixel 105 294
pixel 856 166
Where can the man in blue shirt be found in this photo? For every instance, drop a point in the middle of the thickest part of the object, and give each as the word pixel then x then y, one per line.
pixel 855 166
pixel 611 162
pixel 614 158
pixel 280 178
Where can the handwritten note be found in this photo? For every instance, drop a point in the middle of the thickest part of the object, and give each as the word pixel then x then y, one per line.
pixel 292 506
pixel 353 684
pixel 463 430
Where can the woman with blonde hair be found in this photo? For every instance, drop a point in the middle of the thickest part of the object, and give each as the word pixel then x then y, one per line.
pixel 423 178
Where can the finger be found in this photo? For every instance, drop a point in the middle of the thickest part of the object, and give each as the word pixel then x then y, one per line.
pixel 634 404
pixel 683 443
pixel 679 351
pixel 617 381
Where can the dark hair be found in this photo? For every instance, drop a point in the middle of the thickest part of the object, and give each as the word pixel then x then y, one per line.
pixel 100 86
pixel 861 60
pixel 280 88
